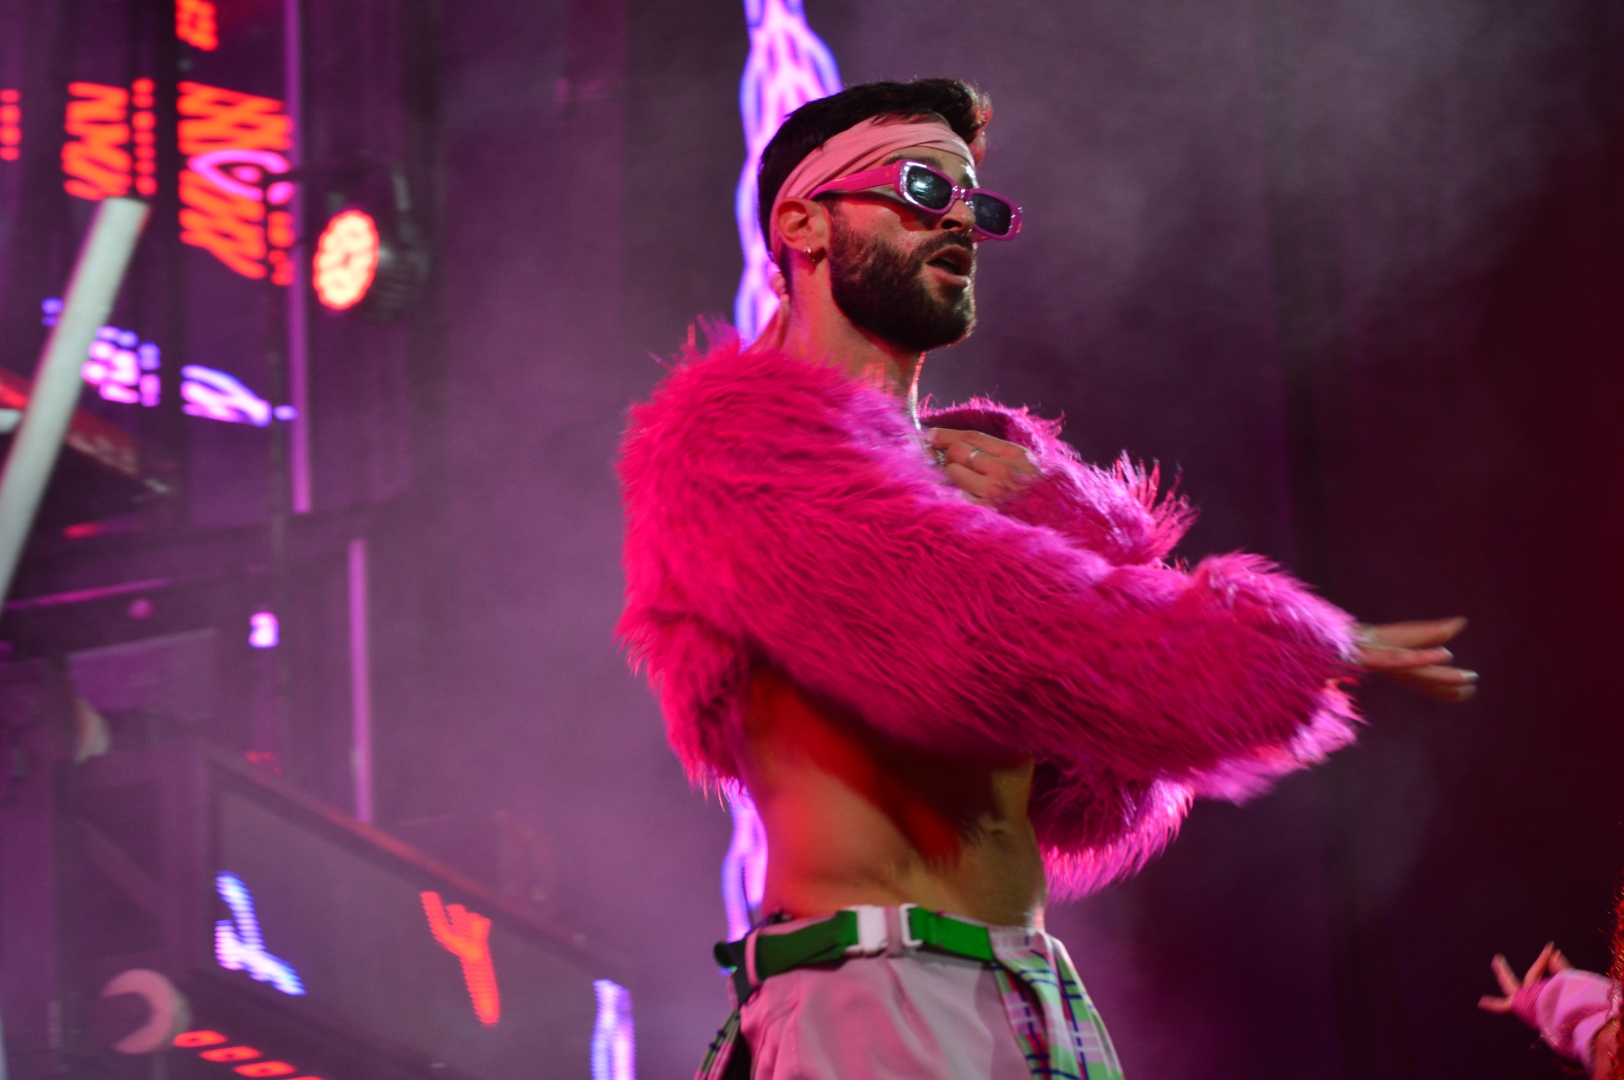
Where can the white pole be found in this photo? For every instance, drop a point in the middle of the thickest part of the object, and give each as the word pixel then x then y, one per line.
pixel 103 258
pixel 360 683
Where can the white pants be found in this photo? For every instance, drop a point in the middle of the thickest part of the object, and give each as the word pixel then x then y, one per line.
pixel 919 1016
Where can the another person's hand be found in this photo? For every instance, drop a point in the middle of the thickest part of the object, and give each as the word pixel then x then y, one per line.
pixel 990 471
pixel 1549 959
pixel 1412 653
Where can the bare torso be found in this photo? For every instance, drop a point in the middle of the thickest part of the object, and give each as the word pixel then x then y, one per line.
pixel 855 818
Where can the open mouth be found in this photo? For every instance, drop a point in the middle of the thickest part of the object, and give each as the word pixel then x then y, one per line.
pixel 954 260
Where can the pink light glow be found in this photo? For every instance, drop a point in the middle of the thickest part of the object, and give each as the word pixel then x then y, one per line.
pixel 239 947
pixel 240 172
pixel 788 66
pixel 614 1042
pixel 122 367
pixel 215 395
pixel 466 936
pixel 264 632
pixel 744 867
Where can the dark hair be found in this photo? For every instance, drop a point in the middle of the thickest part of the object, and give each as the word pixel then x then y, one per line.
pixel 965 109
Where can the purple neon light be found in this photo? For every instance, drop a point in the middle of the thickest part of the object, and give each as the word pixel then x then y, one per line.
pixel 264 632
pixel 218 396
pixel 744 867
pixel 788 66
pixel 243 172
pixel 237 942
pixel 614 1043
pixel 118 363
pixel 124 368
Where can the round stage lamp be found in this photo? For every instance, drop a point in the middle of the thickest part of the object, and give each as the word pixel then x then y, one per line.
pixel 346 259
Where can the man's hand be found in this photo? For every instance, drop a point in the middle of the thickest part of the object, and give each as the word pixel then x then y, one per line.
pixel 1550 956
pixel 990 471
pixel 1413 653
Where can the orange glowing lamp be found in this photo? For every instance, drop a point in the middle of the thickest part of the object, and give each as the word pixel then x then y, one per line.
pixel 346 259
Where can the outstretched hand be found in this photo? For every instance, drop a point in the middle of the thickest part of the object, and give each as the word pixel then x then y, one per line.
pixel 1549 957
pixel 1412 653
pixel 991 471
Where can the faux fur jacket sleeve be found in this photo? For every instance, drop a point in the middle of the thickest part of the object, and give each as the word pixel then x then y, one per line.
pixel 778 510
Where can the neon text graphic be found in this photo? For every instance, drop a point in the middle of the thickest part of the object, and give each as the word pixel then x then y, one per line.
pixel 144 136
pixel 101 124
pixel 614 1043
pixel 215 395
pixel 194 24
pixel 466 936
pixel 94 158
pixel 233 144
pixel 11 125
pixel 238 945
pixel 122 367
pixel 788 66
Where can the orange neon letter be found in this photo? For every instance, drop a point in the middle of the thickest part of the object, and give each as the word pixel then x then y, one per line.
pixel 94 158
pixel 466 936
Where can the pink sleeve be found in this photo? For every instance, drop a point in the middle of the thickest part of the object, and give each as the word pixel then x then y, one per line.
pixel 1568 1009
pixel 1116 512
pixel 794 511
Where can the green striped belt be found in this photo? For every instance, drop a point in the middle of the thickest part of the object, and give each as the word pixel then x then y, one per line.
pixel 1055 1022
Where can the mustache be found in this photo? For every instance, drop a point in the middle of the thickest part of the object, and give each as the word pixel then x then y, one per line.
pixel 935 247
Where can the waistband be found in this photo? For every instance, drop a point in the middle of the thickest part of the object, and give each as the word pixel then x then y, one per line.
pixel 863 930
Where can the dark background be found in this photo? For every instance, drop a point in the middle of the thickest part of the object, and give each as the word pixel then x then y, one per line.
pixel 1354 268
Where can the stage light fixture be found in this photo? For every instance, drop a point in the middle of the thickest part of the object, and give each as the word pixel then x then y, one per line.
pixel 370 257
pixel 346 261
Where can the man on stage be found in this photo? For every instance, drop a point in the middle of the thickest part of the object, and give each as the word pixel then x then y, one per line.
pixel 947 659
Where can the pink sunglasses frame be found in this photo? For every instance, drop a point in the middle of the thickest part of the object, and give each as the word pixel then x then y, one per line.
pixel 891 176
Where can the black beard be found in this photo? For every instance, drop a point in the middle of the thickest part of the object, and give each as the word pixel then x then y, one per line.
pixel 884 290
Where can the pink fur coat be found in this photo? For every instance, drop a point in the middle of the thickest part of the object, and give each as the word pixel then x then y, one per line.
pixel 780 511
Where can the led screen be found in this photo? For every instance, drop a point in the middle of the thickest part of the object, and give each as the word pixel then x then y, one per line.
pixel 355 931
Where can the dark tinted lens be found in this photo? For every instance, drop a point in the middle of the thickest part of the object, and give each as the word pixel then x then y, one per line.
pixel 993 215
pixel 924 187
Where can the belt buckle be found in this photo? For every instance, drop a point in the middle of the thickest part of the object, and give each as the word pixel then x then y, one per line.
pixel 871 930
pixel 905 927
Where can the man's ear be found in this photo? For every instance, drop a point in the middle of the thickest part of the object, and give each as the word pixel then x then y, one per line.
pixel 803 224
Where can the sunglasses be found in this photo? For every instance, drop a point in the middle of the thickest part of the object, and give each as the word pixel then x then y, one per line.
pixel 933 191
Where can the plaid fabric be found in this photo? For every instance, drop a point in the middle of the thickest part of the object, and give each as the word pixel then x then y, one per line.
pixel 720 1052
pixel 1042 996
pixel 1035 970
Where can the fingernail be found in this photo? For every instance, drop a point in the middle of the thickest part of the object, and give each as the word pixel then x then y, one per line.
pixel 1469 676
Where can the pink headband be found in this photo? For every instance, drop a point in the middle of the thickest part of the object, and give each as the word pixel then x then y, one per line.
pixel 857 148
